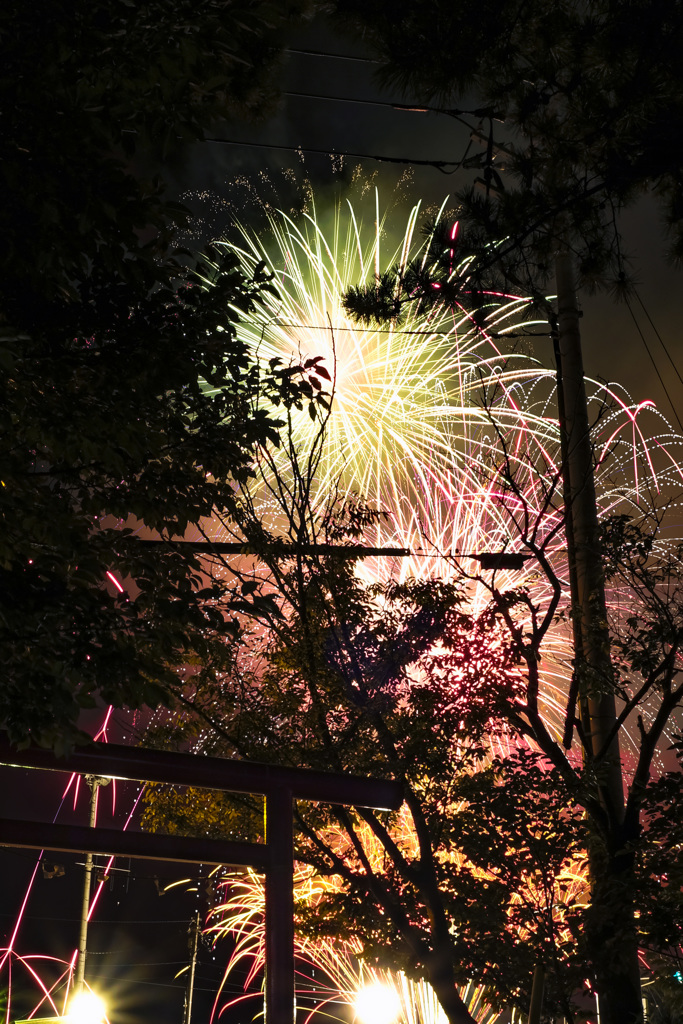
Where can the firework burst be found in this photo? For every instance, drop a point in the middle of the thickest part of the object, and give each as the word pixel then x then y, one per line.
pixel 408 418
pixel 420 414
pixel 331 974
pixel 421 410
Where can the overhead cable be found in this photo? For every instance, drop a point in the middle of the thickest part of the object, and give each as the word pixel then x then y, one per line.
pixel 334 56
pixel 408 108
pixel 654 364
pixel 659 337
pixel 430 333
pixel 440 165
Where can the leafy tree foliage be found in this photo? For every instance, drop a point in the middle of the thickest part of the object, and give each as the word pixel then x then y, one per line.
pixel 125 398
pixel 89 91
pixel 577 111
pixel 575 104
pixel 109 425
pixel 479 877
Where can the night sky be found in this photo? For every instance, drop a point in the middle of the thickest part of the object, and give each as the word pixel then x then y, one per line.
pixel 138 938
pixel 208 175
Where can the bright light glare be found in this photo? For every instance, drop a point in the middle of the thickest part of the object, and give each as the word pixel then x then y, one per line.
pixel 86 1008
pixel 377 1004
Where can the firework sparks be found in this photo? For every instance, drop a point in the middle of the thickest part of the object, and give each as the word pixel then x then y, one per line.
pixel 419 413
pixel 332 972
pixel 407 422
pixel 50 976
pixel 341 972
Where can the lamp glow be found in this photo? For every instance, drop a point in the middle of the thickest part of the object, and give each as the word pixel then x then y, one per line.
pixel 86 1008
pixel 377 1004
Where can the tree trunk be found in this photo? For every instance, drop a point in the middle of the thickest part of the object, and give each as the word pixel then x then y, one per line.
pixel 612 937
pixel 442 980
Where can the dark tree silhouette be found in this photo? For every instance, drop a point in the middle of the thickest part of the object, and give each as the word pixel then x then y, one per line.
pixel 125 397
pixel 474 879
pixel 576 111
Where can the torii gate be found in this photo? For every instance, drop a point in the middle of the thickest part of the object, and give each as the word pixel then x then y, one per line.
pixel 274 857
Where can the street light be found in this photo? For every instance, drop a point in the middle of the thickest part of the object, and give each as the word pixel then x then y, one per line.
pixel 377 1004
pixel 86 1008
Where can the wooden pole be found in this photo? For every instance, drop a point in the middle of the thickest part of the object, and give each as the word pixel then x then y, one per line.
pixel 617 974
pixel 189 995
pixel 536 1002
pixel 596 693
pixel 94 781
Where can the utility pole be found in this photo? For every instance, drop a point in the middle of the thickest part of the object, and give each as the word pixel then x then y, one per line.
pixel 621 1001
pixel 536 1003
pixel 596 695
pixel 94 781
pixel 195 928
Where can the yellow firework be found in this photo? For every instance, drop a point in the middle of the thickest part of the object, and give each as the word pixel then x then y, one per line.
pixel 419 415
pixel 331 974
pixel 408 419
pixel 420 410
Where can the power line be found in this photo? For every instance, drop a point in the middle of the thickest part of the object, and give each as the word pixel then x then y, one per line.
pixel 652 360
pixel 659 337
pixel 439 165
pixel 476 112
pixel 388 330
pixel 408 108
pixel 138 963
pixel 334 56
pixel 131 980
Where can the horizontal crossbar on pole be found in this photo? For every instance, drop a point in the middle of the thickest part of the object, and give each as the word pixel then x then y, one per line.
pixel 285 550
pixel 39 835
pixel 231 776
